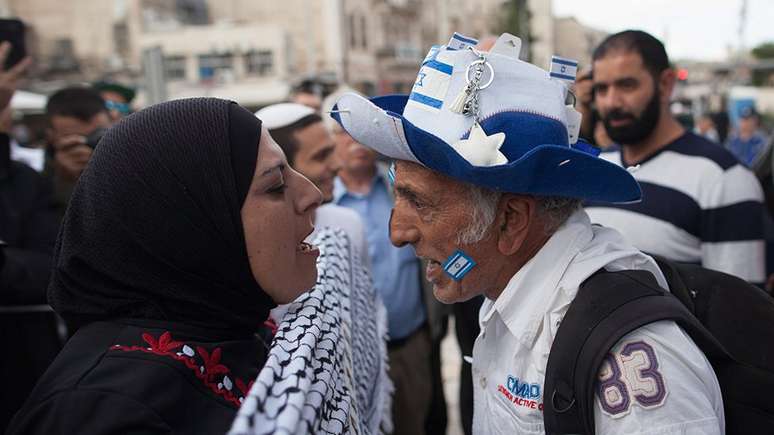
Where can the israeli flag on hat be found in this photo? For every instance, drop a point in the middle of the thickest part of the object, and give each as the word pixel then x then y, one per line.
pixel 432 81
pixel 460 42
pixel 563 69
pixel 523 140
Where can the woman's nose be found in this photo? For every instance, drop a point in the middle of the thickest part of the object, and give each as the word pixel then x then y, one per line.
pixel 309 196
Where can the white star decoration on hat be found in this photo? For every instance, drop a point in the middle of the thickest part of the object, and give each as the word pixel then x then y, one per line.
pixel 481 150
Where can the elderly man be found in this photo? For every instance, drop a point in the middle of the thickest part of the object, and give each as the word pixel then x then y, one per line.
pixel 488 183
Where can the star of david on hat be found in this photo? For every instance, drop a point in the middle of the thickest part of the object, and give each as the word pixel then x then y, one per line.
pixel 491 120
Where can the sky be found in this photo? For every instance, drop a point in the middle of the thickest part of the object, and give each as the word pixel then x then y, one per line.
pixel 690 29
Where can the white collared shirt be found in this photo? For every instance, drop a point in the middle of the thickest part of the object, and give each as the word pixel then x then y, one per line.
pixel 656 380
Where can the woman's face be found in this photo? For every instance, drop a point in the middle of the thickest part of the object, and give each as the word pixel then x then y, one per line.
pixel 277 216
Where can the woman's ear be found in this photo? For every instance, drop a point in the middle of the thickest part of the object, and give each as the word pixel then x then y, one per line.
pixel 515 215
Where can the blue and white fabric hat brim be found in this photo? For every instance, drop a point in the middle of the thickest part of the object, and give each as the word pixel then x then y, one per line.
pixel 540 161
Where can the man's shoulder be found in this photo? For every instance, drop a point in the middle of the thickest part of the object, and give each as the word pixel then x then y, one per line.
pixel 21 173
pixel 656 376
pixel 693 145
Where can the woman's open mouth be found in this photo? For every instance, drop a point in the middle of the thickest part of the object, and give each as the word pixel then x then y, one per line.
pixel 307 248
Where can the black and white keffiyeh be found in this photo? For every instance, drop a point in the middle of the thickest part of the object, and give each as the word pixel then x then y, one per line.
pixel 326 372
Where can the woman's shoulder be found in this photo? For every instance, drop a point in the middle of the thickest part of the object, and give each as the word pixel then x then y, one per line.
pixel 184 378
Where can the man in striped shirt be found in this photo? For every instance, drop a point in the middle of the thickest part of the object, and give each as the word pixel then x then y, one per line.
pixel 700 205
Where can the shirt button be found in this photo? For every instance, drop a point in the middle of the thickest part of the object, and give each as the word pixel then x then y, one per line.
pixel 482 382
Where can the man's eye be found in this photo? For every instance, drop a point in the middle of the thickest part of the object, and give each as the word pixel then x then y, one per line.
pixel 417 203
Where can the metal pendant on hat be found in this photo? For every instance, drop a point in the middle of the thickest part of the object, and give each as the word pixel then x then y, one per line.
pixel 466 102
pixel 479 148
pixel 474 84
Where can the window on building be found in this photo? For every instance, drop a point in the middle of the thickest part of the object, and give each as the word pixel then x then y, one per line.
pixel 352 32
pixel 212 64
pixel 174 67
pixel 363 33
pixel 63 58
pixel 260 63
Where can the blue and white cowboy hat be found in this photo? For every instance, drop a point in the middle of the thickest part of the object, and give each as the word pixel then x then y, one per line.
pixel 522 138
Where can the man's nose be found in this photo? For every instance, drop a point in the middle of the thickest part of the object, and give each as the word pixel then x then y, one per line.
pixel 402 232
pixel 334 163
pixel 612 99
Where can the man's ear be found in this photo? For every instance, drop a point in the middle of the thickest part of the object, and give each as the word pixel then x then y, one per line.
pixel 516 212
pixel 666 82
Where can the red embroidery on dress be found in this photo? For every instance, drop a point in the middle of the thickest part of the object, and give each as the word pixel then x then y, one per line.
pixel 242 387
pixel 165 343
pixel 206 372
pixel 272 325
pixel 212 364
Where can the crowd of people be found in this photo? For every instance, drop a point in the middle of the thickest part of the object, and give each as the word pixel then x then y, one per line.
pixel 195 267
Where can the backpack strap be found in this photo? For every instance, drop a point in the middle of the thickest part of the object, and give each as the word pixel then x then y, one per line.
pixel 609 305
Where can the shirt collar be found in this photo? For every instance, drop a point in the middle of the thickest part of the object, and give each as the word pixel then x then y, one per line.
pixel 339 190
pixel 523 303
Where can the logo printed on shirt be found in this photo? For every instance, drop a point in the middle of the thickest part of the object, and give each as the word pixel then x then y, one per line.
pixel 522 394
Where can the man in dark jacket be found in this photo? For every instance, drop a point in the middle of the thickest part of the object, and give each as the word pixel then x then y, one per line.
pixel 28 227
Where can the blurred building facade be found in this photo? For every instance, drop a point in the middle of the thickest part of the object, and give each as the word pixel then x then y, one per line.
pixel 575 40
pixel 253 51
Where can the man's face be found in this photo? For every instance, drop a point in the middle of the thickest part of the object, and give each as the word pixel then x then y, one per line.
pixel 705 124
pixel 748 125
pixel 308 99
pixel 316 159
pixel 430 209
pixel 68 139
pixel 354 157
pixel 116 104
pixel 627 97
pixel 63 126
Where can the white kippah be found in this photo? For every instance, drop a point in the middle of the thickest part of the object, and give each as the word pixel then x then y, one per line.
pixel 283 114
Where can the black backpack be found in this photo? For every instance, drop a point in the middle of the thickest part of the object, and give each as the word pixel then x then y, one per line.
pixel 730 320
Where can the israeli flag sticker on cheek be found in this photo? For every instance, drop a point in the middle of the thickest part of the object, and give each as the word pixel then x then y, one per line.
pixel 391 174
pixel 458 265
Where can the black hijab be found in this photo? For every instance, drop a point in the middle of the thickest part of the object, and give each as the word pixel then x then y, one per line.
pixel 154 230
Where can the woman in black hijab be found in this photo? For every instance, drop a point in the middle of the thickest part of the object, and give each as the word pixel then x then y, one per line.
pixel 183 232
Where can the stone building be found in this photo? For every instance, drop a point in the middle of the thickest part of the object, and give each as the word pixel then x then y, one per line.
pixel 253 51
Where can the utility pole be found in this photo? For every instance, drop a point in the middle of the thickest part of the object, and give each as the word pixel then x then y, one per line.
pixel 740 60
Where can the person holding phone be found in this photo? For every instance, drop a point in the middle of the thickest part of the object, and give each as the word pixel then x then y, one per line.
pixel 77 118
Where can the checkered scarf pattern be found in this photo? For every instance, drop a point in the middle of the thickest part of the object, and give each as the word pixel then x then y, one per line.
pixel 326 372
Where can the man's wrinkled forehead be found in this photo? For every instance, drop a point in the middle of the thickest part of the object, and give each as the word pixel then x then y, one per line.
pixel 422 180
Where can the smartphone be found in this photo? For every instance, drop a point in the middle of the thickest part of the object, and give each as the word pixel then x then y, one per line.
pixel 12 30
pixel 95 136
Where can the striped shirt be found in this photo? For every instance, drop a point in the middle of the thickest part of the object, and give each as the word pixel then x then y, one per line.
pixel 699 205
